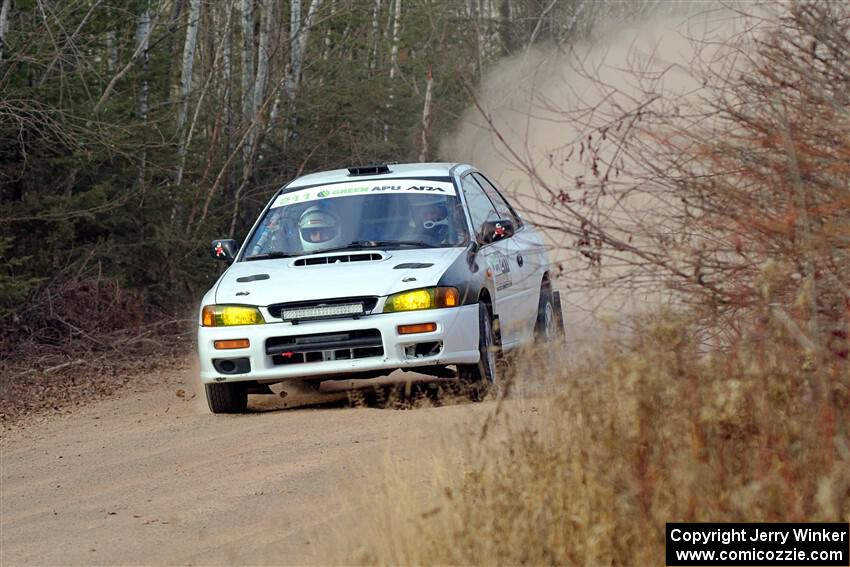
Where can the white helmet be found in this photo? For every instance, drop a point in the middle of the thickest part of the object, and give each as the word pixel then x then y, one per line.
pixel 318 229
pixel 430 213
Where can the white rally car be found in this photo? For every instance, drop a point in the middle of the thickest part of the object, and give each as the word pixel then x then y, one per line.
pixel 359 272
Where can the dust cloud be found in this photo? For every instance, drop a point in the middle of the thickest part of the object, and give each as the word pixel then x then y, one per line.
pixel 537 115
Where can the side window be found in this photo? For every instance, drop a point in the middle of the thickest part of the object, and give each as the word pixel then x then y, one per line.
pixel 504 209
pixel 480 208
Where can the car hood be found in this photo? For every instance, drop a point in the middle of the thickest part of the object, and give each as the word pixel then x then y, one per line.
pixel 266 282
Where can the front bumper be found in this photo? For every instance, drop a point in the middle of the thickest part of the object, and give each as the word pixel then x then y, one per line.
pixel 457 334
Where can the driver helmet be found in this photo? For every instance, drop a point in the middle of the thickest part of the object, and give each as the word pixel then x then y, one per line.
pixel 318 229
pixel 430 213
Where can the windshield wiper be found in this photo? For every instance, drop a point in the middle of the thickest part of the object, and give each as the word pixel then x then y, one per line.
pixel 376 244
pixel 269 256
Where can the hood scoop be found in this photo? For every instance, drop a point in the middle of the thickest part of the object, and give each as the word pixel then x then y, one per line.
pixel 339 258
pixel 413 266
pixel 253 278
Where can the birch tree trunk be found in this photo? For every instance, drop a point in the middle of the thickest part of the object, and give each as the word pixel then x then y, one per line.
pixel 111 52
pixel 426 117
pixel 474 14
pixel 542 18
pixel 506 26
pixel 274 111
pixel 263 56
pixel 305 34
pixel 573 22
pixel 327 44
pixel 170 47
pixel 4 24
pixel 483 26
pixel 375 39
pixel 220 38
pixel 299 33
pixel 142 41
pixel 188 62
pixel 393 62
pixel 294 31
pixel 396 32
pixel 256 89
pixel 227 80
pixel 186 140
pixel 247 9
pixel 258 86
pixel 111 85
pixel 227 77
pixel 185 91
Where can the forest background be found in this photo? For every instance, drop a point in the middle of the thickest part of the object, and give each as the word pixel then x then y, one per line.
pixel 132 132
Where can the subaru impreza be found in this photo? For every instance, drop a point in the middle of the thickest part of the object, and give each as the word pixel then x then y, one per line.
pixel 359 272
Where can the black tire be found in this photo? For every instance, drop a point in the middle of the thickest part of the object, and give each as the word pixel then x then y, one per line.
pixel 227 397
pixel 549 346
pixel 546 330
pixel 482 377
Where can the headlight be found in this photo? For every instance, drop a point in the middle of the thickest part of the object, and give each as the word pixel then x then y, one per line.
pixel 428 298
pixel 229 315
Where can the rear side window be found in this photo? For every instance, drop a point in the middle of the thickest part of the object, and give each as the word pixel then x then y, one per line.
pixel 505 211
pixel 481 209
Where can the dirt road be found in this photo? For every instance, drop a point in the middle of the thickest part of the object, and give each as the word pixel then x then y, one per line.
pixel 153 478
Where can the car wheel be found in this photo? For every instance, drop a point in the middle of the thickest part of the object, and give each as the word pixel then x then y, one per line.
pixel 481 377
pixel 546 330
pixel 549 346
pixel 227 397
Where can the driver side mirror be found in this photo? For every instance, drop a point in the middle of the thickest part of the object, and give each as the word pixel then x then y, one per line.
pixel 493 231
pixel 224 250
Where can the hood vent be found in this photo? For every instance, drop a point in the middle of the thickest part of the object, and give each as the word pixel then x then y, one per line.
pixel 253 278
pixel 323 260
pixel 412 266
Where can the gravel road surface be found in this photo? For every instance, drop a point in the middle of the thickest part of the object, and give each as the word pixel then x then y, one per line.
pixel 152 478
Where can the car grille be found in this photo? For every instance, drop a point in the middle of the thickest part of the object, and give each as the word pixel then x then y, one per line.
pixel 319 347
pixel 368 303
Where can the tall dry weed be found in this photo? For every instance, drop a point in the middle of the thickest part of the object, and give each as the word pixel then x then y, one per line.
pixel 655 432
pixel 734 408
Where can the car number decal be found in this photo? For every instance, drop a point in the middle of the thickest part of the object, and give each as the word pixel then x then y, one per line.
pixel 501 268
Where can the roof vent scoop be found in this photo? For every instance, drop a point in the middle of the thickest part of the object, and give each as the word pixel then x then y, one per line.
pixel 368 169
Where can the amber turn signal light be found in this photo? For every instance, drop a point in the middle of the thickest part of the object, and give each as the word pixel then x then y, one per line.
pixel 232 343
pixel 418 328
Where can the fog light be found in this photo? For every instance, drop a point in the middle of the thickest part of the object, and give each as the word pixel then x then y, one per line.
pixel 231 343
pixel 418 328
pixel 422 350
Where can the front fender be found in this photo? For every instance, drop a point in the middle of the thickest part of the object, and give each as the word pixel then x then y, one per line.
pixel 468 275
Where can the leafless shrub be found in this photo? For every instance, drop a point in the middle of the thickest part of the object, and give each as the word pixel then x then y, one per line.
pixel 728 200
pixel 682 174
pixel 638 437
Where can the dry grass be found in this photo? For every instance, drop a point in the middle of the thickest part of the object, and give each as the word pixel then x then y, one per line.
pixel 652 432
pixel 736 408
pixel 85 338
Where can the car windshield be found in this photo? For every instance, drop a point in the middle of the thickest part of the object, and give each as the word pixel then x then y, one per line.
pixel 393 213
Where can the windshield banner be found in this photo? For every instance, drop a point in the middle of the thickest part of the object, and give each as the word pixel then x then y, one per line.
pixel 353 188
